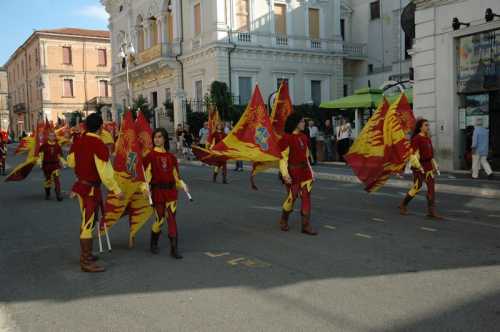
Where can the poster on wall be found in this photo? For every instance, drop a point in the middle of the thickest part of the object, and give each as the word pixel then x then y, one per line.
pixel 477 107
pixel 479 62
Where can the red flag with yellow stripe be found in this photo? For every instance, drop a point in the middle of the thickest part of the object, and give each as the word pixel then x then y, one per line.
pixel 213 120
pixel 382 148
pixel 282 108
pixel 252 139
pixel 129 173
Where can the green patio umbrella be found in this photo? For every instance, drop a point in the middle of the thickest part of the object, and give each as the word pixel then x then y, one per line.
pixel 362 98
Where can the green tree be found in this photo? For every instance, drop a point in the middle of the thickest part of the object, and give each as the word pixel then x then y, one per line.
pixel 141 103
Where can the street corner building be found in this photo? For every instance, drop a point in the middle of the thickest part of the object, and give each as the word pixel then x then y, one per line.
pixel 181 47
pixel 456 60
pixel 56 72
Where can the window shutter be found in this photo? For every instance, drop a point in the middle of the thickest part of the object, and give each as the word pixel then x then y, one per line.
pixel 68 88
pixel 314 23
pixel 170 27
pixel 67 55
pixel 197 19
pixel 280 19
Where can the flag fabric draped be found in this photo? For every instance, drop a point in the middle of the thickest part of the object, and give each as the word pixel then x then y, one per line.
pixel 144 134
pixel 32 146
pixel 252 139
pixel 382 148
pixel 129 173
pixel 213 120
pixel 282 108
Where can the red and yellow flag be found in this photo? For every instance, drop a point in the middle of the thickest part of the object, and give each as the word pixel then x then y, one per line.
pixel 382 148
pixel 129 173
pixel 32 145
pixel 282 108
pixel 144 134
pixel 252 139
pixel 213 120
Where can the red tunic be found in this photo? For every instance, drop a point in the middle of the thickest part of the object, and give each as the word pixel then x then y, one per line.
pixel 51 155
pixel 423 145
pixel 85 148
pixel 298 166
pixel 218 136
pixel 163 180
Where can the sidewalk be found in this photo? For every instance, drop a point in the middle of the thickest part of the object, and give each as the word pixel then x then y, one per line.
pixel 458 183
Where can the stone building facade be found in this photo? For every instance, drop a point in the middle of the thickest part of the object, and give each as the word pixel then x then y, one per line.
pixel 4 92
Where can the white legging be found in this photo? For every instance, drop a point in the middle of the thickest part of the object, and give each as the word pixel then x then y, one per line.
pixel 478 162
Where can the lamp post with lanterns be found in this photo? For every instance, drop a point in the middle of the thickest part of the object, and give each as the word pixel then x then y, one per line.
pixel 126 51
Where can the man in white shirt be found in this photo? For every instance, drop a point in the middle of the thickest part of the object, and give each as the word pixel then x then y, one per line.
pixel 313 135
pixel 344 133
pixel 203 135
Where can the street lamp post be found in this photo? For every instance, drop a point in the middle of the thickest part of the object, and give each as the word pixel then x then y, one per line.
pixel 127 50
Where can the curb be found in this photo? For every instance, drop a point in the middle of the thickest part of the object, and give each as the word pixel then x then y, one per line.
pixel 403 184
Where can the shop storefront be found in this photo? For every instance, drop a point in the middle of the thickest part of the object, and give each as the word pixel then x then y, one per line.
pixel 478 88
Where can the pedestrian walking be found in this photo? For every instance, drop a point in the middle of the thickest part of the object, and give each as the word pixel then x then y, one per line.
pixel 218 136
pixel 328 135
pixel 178 138
pixel 313 135
pixel 424 169
pixel 480 148
pixel 296 172
pixel 163 169
pixel 51 161
pixel 90 159
pixel 344 135
pixel 203 135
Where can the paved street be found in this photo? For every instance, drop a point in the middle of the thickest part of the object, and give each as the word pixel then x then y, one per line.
pixel 368 270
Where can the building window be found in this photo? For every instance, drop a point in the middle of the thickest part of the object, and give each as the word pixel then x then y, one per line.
pixel 170 28
pixel 198 90
pixel 242 15
pixel 279 80
pixel 103 59
pixel 316 92
pixel 314 23
pixel 154 98
pixel 408 45
pixel 168 95
pixel 375 10
pixel 153 33
pixel 370 68
pixel 245 89
pixel 103 88
pixel 342 28
pixel 280 24
pixel 68 88
pixel 67 58
pixel 346 91
pixel 197 19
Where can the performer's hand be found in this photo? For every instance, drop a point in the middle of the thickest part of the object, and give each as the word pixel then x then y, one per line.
pixel 422 171
pixel 287 179
pixel 72 195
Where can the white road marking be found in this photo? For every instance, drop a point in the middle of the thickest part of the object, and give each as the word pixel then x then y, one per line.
pixel 235 261
pixel 428 229
pixel 493 215
pixel 215 255
pixel 365 236
pixel 330 227
pixel 378 219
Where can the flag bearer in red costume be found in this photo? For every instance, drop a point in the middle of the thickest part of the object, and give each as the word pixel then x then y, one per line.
pixel 424 169
pixel 90 158
pixel 218 136
pixel 162 172
pixel 51 160
pixel 296 172
pixel 3 154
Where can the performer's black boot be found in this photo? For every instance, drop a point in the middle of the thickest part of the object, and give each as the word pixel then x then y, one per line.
pixel 306 225
pixel 47 194
pixel 284 221
pixel 403 207
pixel 154 242
pixel 214 177
pixel 174 250
pixel 59 196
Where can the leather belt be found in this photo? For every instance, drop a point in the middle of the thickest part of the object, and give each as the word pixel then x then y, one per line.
pixel 165 185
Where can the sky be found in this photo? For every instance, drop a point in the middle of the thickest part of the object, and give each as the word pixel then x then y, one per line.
pixel 18 19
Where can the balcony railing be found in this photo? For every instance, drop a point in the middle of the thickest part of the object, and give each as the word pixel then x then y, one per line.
pixel 303 43
pixel 158 51
pixel 19 108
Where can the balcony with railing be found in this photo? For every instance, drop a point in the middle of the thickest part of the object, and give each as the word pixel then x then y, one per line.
pixel 159 51
pixel 298 43
pixel 19 108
